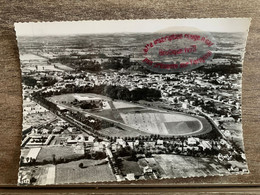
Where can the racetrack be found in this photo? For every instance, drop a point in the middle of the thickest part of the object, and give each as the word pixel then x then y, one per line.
pixel 142 119
pixel 163 123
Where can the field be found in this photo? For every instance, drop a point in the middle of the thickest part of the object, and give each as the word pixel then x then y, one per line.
pixel 68 98
pixel 40 64
pixel 34 114
pixel 187 166
pixel 35 119
pixel 62 67
pixel 33 153
pixel 131 167
pixel 120 104
pixel 43 174
pixel 65 152
pixel 72 173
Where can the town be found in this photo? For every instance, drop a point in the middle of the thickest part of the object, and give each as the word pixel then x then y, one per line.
pixel 105 119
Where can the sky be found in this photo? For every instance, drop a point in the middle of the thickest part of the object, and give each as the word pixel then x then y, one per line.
pixel 130 26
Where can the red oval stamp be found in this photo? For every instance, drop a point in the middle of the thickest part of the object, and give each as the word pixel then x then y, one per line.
pixel 178 52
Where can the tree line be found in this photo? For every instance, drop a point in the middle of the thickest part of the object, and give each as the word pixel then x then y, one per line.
pixel 114 92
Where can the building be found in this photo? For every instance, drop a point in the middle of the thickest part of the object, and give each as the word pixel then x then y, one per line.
pixel 130 176
pixel 193 141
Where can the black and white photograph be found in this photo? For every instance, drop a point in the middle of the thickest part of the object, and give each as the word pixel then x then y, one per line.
pixel 128 100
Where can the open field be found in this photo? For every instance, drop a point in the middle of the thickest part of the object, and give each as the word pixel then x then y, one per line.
pixel 131 167
pixel 72 173
pixel 68 98
pixel 187 166
pixel 40 63
pixel 42 174
pixel 34 114
pixel 65 152
pixel 41 67
pixel 120 104
pixel 62 67
pixel 35 119
pixel 30 56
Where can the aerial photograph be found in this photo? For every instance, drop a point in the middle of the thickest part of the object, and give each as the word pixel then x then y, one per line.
pixel 94 111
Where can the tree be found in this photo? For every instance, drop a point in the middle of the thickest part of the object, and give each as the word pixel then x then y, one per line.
pixel 54 159
pixel 81 165
pixel 32 180
pixel 182 143
pixel 29 81
pixel 21 160
pixel 148 154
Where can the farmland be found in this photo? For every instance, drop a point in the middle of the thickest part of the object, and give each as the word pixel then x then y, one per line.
pixel 65 152
pixel 186 166
pixel 91 172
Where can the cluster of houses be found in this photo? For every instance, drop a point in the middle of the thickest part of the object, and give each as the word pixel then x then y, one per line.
pixel 159 145
pixel 178 90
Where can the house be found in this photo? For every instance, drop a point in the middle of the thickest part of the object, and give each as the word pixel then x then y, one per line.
pixel 89 140
pixel 140 156
pixel 194 148
pixel 185 105
pixel 227 119
pixel 131 144
pixel 130 176
pixel 98 147
pixel 193 141
pixel 120 178
pixel 159 142
pixel 136 143
pixel 233 169
pixel 57 130
pixel 205 144
pixel 79 149
pixel 223 142
pixel 222 157
pixel 25 179
pixel 121 142
pixel 114 147
pixel 147 169
pixel 72 129
pixel 78 139
pixel 149 144
pixel 227 133
pixel 71 140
